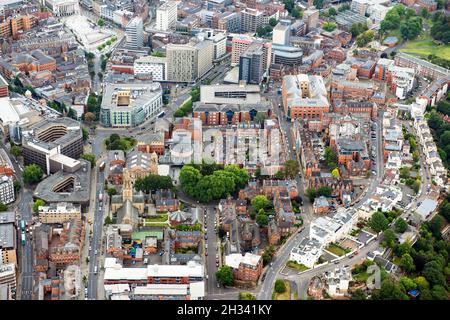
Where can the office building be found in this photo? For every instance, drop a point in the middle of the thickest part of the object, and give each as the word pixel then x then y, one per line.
pixel 251 20
pixel 311 17
pixel 304 97
pixel 166 16
pixel 251 66
pixel 135 33
pixel 59 212
pixel 229 21
pixel 8 243
pixel 62 8
pixel 188 62
pixel 52 142
pixel 8 275
pixel 156 67
pixel 130 103
pixel 281 34
pixel 7 194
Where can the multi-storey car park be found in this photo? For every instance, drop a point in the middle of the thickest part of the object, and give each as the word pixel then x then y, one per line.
pixel 49 140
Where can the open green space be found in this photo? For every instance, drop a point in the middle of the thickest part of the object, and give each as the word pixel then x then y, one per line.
pixel 285 295
pixel 158 218
pixel 337 250
pixel 425 46
pixel 298 266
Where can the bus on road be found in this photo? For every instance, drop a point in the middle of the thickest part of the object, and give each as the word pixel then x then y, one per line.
pixel 23 238
pixel 22 225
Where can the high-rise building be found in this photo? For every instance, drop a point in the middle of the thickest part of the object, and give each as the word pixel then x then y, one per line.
pixel 311 16
pixel 135 33
pixel 188 62
pixel 251 20
pixel 6 189
pixel 251 65
pixel 280 34
pixel 166 16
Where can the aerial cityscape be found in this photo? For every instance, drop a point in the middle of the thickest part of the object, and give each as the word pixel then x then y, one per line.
pixel 224 150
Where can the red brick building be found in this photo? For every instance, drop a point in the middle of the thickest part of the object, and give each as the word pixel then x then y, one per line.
pixel 246 267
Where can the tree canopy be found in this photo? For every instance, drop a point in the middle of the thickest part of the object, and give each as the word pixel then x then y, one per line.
pixel 32 174
pixel 378 222
pixel 225 276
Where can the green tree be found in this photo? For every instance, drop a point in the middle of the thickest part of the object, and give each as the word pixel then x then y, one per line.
pixel 246 296
pixel 273 22
pixel 268 254
pixel 261 31
pixel 260 117
pixel 335 173
pixel 378 222
pixel 359 294
pixel 280 286
pixel 3 207
pixel 291 169
pixel 111 191
pixel 407 283
pixel 324 191
pixel 404 172
pixel 16 151
pixel 330 158
pixel 262 220
pixel 407 263
pixel 279 175
pixel 260 202
pixel 390 290
pixel 433 273
pixel 38 203
pixel 332 11
pixel 89 157
pixel 422 283
pixel 318 4
pixel 108 221
pixel 100 22
pixel 329 26
pixel 400 225
pixel 225 276
pixel 389 238
pixel 311 194
pixel 85 133
pixel 32 174
pixel 439 293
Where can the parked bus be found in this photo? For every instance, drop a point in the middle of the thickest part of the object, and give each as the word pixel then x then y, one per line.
pixel 22 225
pixel 23 239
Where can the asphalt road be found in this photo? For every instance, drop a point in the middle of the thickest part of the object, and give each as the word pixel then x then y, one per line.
pixel 26 251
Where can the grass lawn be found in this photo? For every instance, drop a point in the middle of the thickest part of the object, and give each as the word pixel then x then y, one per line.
pixel 285 295
pixel 159 218
pixel 155 224
pixel 337 250
pixel 425 46
pixel 361 277
pixel 298 266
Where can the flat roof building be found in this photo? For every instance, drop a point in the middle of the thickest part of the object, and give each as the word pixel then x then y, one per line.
pixel 128 104
pixel 51 137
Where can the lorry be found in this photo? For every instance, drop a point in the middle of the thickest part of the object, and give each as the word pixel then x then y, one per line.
pixel 102 166
pixel 100 197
